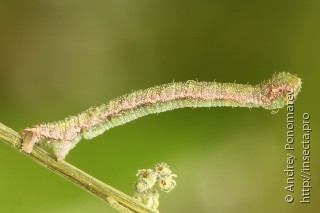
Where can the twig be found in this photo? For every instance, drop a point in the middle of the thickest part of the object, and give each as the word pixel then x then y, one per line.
pixel 114 197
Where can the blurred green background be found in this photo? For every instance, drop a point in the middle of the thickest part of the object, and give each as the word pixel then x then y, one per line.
pixel 58 58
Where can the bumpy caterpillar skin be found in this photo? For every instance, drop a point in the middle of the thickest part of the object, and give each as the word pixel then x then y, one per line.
pixel 62 136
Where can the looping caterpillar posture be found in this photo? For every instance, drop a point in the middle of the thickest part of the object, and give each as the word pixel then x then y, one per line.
pixel 148 178
pixel 62 136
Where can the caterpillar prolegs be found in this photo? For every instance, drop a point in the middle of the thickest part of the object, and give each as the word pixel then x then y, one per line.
pixel 62 136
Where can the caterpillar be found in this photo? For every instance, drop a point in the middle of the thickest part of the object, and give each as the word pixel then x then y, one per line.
pixel 63 135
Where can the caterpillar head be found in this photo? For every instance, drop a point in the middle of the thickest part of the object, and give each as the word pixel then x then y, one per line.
pixel 280 88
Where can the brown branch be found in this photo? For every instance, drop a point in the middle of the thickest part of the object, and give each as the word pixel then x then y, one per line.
pixel 114 197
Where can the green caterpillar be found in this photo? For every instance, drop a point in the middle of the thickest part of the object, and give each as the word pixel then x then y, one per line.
pixel 62 136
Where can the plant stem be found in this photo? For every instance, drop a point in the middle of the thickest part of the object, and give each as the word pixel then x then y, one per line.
pixel 114 197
